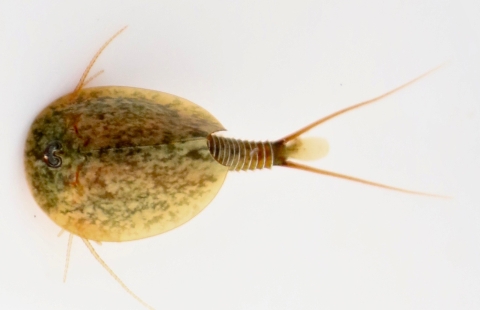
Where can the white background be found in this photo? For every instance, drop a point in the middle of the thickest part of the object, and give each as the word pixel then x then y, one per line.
pixel 279 239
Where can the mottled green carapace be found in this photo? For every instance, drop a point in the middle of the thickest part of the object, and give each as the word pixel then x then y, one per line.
pixel 134 162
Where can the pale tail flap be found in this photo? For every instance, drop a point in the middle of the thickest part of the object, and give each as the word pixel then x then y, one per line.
pixel 307 149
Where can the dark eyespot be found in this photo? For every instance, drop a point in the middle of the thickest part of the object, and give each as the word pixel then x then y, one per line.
pixel 50 155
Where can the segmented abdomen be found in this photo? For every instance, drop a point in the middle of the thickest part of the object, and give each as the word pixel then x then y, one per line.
pixel 241 155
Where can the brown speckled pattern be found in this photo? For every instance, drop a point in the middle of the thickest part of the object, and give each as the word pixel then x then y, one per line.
pixel 135 162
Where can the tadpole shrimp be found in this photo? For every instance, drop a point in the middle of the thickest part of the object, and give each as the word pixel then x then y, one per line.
pixel 113 163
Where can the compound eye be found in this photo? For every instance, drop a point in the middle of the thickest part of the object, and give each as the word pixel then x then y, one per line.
pixel 50 155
